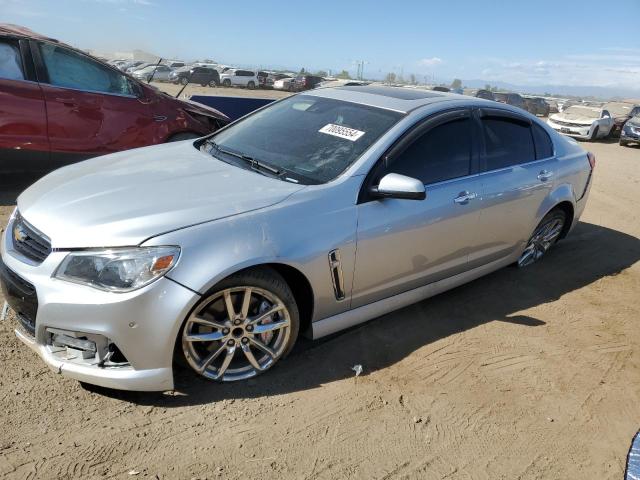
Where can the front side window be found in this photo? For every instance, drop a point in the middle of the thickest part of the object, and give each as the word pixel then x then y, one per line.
pixel 443 153
pixel 507 142
pixel 69 69
pixel 313 139
pixel 10 62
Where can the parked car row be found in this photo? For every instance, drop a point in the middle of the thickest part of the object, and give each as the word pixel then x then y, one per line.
pixel 60 105
pixel 583 120
pixel 592 122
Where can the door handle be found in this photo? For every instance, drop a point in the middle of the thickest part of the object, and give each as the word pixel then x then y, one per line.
pixel 66 101
pixel 545 175
pixel 464 197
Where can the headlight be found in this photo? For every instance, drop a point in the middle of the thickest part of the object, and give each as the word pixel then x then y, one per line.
pixel 119 269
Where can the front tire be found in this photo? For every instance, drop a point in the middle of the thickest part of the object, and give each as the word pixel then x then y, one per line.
pixel 213 84
pixel 248 323
pixel 226 83
pixel 594 135
pixel 251 85
pixel 546 234
pixel 183 81
pixel 622 143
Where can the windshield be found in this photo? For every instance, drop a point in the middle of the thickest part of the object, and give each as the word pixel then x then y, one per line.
pixel 312 139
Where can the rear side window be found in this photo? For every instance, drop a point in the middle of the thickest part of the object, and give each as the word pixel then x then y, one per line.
pixel 443 153
pixel 10 62
pixel 544 147
pixel 507 142
pixel 69 69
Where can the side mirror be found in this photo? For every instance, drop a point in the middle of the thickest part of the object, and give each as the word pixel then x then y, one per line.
pixel 394 185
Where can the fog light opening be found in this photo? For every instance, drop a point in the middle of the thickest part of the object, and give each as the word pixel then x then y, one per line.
pixel 116 355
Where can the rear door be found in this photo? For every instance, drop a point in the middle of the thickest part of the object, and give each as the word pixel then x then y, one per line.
pixel 92 109
pixel 404 244
pixel 24 145
pixel 518 168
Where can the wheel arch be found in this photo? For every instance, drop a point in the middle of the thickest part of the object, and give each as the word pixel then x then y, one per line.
pixel 296 280
pixel 562 197
pixel 569 211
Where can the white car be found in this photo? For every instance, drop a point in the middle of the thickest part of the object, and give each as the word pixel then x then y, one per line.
pixel 160 73
pixel 588 123
pixel 284 84
pixel 239 78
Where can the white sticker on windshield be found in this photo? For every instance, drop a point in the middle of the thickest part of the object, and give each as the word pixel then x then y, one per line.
pixel 342 132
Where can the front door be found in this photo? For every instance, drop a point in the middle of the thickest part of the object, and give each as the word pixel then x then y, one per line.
pixel 91 109
pixel 404 244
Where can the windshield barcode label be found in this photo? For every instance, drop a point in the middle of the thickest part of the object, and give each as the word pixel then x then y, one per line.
pixel 342 132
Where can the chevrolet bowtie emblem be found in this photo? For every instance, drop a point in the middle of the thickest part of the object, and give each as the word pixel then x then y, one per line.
pixel 19 233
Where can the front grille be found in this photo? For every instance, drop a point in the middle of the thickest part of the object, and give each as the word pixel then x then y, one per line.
pixel 21 285
pixel 28 241
pixel 569 124
pixel 21 297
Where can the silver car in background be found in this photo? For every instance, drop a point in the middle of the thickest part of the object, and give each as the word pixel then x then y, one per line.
pixel 311 215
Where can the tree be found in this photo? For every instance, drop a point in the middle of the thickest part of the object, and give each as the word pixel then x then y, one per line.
pixel 321 73
pixel 390 78
pixel 487 87
pixel 344 75
pixel 412 79
pixel 457 83
pixel 302 71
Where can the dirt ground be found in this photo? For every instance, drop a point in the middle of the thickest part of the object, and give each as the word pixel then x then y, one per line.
pixel 530 374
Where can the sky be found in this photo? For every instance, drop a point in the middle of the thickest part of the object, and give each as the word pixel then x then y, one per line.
pixel 542 42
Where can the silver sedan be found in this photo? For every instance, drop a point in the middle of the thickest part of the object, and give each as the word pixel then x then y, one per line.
pixel 313 214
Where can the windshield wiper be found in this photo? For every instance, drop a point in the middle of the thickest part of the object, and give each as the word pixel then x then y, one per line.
pixel 253 163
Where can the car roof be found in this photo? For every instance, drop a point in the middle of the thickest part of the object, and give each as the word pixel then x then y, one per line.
pixel 399 99
pixel 18 31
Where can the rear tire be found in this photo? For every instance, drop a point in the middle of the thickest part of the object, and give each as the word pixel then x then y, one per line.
pixel 251 85
pixel 622 143
pixel 545 235
pixel 226 83
pixel 244 326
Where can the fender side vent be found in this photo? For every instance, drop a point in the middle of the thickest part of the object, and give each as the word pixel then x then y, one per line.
pixel 335 266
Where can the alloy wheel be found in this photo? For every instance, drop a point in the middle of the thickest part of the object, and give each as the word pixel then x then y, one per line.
pixel 237 333
pixel 544 236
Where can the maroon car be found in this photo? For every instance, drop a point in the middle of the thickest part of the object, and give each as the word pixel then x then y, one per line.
pixel 59 105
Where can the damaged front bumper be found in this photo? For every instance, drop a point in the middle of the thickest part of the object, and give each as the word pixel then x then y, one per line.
pixel 115 340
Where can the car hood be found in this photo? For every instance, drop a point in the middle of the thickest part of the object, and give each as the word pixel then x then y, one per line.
pixel 568 117
pixel 202 109
pixel 188 105
pixel 634 122
pixel 127 197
